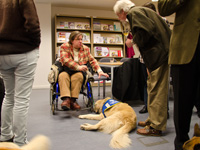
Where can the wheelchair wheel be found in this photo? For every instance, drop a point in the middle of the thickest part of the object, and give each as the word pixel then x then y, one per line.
pixel 51 94
pixel 89 101
pixel 52 100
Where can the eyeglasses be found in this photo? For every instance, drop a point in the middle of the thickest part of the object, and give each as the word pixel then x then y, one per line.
pixel 78 39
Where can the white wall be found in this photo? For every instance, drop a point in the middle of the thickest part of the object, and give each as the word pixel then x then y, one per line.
pixel 46 14
pixel 44 62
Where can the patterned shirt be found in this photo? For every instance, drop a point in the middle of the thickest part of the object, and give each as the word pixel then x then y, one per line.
pixel 84 56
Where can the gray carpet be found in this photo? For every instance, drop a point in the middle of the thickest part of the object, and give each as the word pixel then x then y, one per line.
pixel 63 129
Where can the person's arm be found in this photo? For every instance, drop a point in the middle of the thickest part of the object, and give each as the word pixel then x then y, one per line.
pixel 32 25
pixel 168 7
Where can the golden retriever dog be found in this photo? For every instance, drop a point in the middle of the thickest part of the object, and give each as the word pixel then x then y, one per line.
pixel 40 142
pixel 115 118
pixel 194 142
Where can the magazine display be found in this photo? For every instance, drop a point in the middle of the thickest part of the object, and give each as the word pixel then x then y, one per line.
pixel 74 25
pixel 101 51
pixel 115 39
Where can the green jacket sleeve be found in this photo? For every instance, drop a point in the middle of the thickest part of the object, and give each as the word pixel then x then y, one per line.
pixel 168 7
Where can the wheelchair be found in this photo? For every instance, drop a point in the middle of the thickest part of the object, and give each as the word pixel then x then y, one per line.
pixel 86 91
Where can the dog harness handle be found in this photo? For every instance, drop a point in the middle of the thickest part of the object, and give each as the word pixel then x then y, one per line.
pixel 108 104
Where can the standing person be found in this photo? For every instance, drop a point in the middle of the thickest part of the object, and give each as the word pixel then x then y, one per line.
pixel 19 53
pixel 2 93
pixel 184 57
pixel 74 56
pixel 152 35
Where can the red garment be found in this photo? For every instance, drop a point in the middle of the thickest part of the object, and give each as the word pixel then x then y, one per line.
pixel 130 51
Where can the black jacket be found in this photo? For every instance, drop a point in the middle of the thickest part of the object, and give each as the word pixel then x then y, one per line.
pixel 128 81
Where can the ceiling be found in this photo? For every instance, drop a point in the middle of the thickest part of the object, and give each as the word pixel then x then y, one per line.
pixel 94 4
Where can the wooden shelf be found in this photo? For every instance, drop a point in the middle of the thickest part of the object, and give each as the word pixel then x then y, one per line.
pixel 65 24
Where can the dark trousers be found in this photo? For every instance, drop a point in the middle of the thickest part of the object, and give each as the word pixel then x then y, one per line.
pixel 185 80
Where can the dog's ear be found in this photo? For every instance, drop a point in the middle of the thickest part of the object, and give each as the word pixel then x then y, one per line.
pixel 196 130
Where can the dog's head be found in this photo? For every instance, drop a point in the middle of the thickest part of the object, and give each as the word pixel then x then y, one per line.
pixel 194 143
pixel 99 104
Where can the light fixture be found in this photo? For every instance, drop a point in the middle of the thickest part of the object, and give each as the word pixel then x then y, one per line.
pixel 154 0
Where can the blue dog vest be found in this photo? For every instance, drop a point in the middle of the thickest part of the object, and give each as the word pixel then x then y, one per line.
pixel 108 104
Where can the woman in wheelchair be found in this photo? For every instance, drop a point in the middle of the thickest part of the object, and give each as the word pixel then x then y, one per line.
pixel 73 56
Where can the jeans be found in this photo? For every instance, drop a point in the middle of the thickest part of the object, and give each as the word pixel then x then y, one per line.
pixel 18 72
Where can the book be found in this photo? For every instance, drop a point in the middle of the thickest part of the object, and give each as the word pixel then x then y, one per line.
pixel 61 36
pixel 66 25
pixel 118 39
pixel 117 26
pixel 104 27
pixel 98 38
pixel 97 26
pixel 61 24
pixel 86 38
pixel 111 40
pixel 71 25
pixel 116 53
pixel 110 27
pixel 86 25
pixel 101 51
pixel 78 25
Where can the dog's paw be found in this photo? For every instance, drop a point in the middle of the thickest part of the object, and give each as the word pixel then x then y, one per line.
pixel 85 126
pixel 81 116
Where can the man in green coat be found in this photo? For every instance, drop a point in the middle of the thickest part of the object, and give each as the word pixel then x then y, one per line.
pixel 152 36
pixel 184 57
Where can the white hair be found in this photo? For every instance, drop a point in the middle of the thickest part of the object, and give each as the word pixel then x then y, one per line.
pixel 124 5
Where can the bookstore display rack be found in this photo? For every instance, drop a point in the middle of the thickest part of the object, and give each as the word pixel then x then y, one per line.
pixel 104 36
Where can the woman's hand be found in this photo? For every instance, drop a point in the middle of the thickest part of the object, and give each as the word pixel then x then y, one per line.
pixel 103 74
pixel 83 68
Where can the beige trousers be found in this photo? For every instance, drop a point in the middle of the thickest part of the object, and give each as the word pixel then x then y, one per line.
pixel 70 86
pixel 157 88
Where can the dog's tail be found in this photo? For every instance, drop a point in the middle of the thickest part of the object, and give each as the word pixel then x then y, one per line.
pixel 120 138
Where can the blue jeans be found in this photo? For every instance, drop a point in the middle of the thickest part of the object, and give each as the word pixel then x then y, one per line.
pixel 18 72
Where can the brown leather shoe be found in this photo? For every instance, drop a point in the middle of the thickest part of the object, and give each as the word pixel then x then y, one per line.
pixel 66 104
pixel 143 123
pixel 74 105
pixel 148 131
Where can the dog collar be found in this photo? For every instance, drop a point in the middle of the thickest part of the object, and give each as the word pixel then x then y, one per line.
pixel 108 104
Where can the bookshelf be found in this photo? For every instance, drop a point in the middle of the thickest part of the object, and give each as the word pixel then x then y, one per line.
pixel 104 36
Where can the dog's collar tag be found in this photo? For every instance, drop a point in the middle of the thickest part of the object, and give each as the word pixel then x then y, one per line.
pixel 108 104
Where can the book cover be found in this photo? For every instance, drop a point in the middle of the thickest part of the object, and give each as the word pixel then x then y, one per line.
pixel 97 51
pixel 66 25
pixel 61 36
pixel 104 27
pixel 97 26
pixel 78 25
pixel 98 38
pixel 86 37
pixel 61 24
pixel 71 25
pixel 101 51
pixel 86 25
pixel 110 27
pixel 111 40
pixel 118 39
pixel 117 26
pixel 116 53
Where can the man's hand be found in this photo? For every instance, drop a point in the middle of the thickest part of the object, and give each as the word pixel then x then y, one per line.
pixel 129 43
pixel 83 68
pixel 103 74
